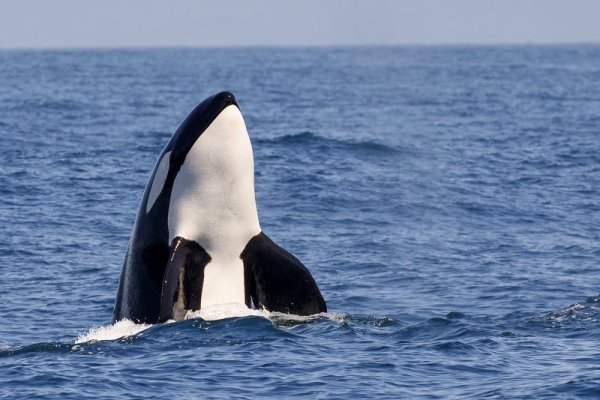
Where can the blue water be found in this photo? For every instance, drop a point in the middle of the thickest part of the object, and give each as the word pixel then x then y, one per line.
pixel 446 200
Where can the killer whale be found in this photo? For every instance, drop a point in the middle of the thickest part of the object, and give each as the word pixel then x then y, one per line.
pixel 196 240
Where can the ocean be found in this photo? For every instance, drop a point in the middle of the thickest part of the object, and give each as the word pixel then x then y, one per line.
pixel 446 200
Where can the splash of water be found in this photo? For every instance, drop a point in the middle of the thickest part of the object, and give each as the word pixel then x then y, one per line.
pixel 118 330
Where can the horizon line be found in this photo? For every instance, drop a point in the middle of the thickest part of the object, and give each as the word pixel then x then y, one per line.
pixel 296 46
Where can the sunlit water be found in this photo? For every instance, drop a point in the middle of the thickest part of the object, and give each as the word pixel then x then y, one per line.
pixel 446 200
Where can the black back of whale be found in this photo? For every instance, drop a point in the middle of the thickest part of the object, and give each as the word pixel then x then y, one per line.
pixel 149 284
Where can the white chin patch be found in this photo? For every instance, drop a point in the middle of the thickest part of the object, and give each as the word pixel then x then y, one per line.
pixel 213 204
pixel 159 180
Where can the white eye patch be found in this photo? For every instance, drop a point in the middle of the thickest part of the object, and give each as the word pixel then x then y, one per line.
pixel 159 180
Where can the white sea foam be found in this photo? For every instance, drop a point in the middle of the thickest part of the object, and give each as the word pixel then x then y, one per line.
pixel 236 310
pixel 340 318
pixel 223 311
pixel 120 329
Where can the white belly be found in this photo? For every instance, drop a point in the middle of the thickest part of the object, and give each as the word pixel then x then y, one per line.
pixel 223 282
pixel 213 204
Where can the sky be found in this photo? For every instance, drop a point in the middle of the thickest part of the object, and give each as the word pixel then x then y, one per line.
pixel 203 23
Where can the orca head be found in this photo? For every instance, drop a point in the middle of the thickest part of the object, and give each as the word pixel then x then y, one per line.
pixel 195 124
pixel 221 109
pixel 208 169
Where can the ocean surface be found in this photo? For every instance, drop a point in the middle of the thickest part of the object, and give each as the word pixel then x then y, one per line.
pixel 446 200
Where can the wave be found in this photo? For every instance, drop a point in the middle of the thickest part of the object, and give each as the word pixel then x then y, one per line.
pixel 587 310
pixel 233 312
pixel 126 328
pixel 44 347
pixel 454 332
pixel 311 139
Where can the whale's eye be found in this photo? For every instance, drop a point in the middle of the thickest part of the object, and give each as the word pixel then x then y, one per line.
pixel 159 180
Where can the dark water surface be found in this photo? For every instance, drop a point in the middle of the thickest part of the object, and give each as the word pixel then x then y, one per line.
pixel 446 199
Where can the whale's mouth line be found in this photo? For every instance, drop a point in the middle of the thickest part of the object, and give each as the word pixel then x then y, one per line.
pixel 197 122
pixel 217 115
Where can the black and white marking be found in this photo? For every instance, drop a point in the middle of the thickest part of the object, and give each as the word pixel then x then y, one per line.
pixel 197 241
